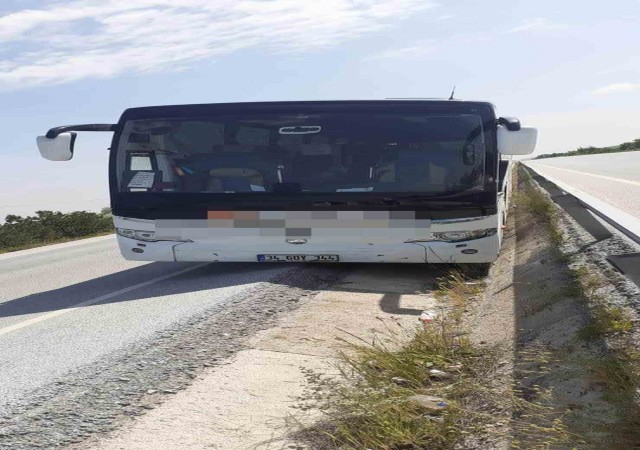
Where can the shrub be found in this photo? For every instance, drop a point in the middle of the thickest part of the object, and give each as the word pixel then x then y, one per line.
pixel 624 147
pixel 44 227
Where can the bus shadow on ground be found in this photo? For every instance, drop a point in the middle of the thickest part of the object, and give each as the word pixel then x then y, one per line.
pixel 394 282
pixel 390 304
pixel 554 364
pixel 121 286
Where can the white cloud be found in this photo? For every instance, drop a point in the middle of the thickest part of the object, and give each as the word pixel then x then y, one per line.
pixel 537 24
pixel 445 17
pixel 617 88
pixel 417 50
pixel 79 39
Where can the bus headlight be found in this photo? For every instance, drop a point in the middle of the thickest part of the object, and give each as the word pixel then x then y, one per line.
pixel 457 236
pixel 149 236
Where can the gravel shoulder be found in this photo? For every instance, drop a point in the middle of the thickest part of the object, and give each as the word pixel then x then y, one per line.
pixel 252 401
pixel 130 382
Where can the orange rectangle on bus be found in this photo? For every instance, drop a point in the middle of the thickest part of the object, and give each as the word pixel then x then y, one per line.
pixel 220 215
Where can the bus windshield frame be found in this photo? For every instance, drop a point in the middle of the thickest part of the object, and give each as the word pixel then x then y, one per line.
pixel 147 204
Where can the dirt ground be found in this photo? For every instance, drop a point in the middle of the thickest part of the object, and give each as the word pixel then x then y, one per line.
pixel 530 311
pixel 250 402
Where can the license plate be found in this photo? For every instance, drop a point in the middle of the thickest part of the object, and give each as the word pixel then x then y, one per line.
pixel 298 258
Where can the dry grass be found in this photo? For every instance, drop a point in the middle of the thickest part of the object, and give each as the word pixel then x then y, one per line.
pixel 619 372
pixel 538 206
pixel 369 406
pixel 606 319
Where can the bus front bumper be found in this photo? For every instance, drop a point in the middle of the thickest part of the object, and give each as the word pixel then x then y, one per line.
pixel 476 251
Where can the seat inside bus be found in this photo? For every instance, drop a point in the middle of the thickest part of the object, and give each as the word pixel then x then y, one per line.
pixel 235 179
pixel 415 166
pixel 236 164
pixel 226 171
pixel 312 161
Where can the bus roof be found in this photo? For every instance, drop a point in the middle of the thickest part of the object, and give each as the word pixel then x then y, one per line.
pixel 211 107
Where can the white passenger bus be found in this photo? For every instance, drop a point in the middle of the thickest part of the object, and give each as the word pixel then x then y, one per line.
pixel 393 181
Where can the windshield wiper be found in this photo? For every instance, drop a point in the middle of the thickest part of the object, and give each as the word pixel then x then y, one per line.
pixel 387 201
pixel 376 201
pixel 328 203
pixel 165 205
pixel 440 196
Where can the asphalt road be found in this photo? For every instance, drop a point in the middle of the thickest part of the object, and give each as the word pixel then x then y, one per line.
pixel 62 308
pixel 612 178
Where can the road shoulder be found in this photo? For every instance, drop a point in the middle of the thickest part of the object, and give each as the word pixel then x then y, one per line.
pixel 248 402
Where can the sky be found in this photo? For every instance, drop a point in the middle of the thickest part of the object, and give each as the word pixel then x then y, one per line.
pixel 570 68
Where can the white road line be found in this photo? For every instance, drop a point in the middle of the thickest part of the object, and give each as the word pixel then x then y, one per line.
pixel 619 180
pixel 59 312
pixel 622 218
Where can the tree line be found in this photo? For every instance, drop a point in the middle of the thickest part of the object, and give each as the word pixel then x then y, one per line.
pixel 45 227
pixel 624 147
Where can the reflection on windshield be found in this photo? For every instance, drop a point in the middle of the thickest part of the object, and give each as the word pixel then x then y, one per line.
pixel 318 153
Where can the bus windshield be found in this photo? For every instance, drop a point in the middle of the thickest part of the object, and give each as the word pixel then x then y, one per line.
pixel 297 153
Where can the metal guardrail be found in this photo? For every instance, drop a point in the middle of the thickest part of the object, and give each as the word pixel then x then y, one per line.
pixel 621 221
pixel 578 204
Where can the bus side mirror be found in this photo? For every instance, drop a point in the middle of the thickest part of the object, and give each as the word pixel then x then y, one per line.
pixel 520 142
pixel 59 148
